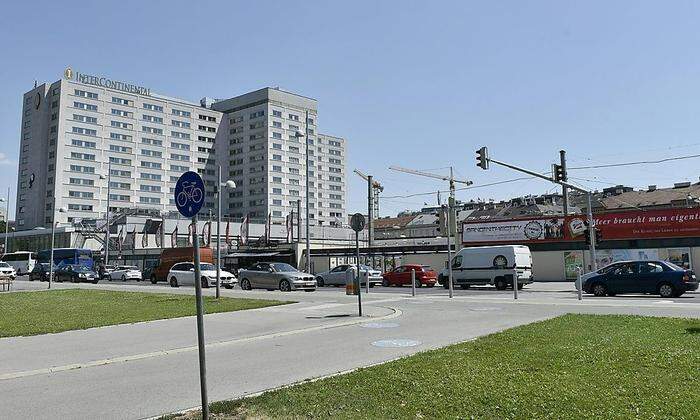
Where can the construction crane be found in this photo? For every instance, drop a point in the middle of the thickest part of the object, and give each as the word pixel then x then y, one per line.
pixel 376 188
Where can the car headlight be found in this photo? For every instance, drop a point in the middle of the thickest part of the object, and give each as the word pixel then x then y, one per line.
pixel 82 275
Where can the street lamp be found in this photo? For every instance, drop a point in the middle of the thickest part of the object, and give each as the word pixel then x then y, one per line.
pixel 229 185
pixel 7 219
pixel 109 182
pixel 53 239
pixel 298 134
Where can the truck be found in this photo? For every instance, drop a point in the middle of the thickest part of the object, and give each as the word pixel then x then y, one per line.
pixel 172 256
pixel 500 266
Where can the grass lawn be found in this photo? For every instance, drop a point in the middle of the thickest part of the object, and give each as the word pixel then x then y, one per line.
pixel 32 313
pixel 574 366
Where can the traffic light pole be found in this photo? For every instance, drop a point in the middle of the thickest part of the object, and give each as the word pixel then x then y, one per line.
pixel 484 160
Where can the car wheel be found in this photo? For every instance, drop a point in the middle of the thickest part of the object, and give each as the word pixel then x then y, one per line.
pixel 228 286
pixel 667 290
pixel 371 285
pixel 599 290
pixel 500 283
pixel 385 282
pixel 173 282
pixel 430 285
pixel 245 284
pixel 123 277
pixel 464 286
pixel 320 282
pixel 285 286
pixel 30 278
pixel 154 280
pixel 205 282
pixel 19 272
pixel 95 281
pixel 418 284
pixel 520 286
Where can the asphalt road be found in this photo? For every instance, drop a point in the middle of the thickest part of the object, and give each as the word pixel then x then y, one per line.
pixel 146 369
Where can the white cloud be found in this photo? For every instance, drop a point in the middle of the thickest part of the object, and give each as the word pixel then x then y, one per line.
pixel 4 160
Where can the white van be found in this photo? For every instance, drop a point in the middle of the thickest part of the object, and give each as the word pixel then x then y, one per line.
pixel 22 261
pixel 494 265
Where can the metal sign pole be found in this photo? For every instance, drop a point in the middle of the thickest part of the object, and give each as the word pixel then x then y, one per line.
pixel 449 253
pixel 578 281
pixel 200 322
pixel 515 286
pixel 413 282
pixel 359 288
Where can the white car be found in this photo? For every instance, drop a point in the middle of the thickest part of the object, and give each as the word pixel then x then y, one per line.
pixel 183 274
pixel 125 272
pixel 338 276
pixel 6 270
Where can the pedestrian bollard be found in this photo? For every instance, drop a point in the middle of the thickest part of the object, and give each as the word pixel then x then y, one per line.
pixel 579 285
pixel 515 286
pixel 413 282
pixel 366 277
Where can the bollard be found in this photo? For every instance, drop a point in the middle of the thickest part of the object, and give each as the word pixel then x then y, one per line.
pixel 366 276
pixel 578 282
pixel 413 282
pixel 515 286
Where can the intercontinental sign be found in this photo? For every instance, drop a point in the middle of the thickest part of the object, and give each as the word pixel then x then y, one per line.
pixel 106 82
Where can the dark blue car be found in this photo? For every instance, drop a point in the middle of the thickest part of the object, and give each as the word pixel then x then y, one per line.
pixel 654 277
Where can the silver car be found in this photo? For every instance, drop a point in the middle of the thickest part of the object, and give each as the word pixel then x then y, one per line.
pixel 274 275
pixel 338 275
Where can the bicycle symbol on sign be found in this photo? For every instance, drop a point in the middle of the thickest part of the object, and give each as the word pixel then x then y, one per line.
pixel 189 192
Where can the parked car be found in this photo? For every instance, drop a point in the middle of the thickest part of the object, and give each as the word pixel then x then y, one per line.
pixel 275 275
pixel 40 272
pixel 338 275
pixel 183 274
pixel 172 256
pixel 125 272
pixel 401 275
pixel 495 265
pixel 75 274
pixel 655 277
pixel 6 270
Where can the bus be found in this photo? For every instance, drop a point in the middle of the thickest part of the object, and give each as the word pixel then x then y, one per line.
pixel 22 261
pixel 68 256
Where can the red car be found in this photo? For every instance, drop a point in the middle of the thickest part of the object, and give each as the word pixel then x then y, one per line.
pixel 402 276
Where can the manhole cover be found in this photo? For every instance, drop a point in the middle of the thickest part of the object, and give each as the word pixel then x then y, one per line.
pixel 380 325
pixel 395 343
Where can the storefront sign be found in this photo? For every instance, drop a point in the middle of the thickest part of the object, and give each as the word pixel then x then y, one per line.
pixel 638 224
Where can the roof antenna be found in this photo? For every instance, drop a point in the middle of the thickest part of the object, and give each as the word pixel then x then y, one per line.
pixel 35 82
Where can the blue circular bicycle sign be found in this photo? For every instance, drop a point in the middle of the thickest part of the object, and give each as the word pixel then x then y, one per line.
pixel 189 194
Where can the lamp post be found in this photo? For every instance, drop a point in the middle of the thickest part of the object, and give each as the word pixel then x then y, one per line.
pixel 7 219
pixel 53 239
pixel 109 182
pixel 228 185
pixel 298 134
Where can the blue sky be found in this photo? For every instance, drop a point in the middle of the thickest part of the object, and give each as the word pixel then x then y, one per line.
pixel 415 84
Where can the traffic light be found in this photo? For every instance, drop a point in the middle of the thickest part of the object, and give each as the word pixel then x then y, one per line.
pixel 482 158
pixel 558 174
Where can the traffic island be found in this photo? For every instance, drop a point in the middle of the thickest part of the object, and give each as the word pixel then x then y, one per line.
pixel 573 366
pixel 33 313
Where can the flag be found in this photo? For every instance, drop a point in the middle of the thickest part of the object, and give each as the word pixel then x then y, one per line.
pixel 159 233
pixel 133 238
pixel 120 239
pixel 173 238
pixel 228 225
pixel 206 238
pixel 144 238
pixel 191 231
pixel 267 229
pixel 244 231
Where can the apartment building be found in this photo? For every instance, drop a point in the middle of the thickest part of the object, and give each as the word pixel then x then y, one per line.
pixel 85 137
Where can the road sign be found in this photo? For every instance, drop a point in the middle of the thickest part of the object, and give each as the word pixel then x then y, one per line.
pixel 189 194
pixel 357 222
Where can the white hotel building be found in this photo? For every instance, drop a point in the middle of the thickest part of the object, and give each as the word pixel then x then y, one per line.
pixel 75 129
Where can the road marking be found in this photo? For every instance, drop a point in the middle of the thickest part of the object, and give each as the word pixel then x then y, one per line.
pixel 23 374
pixel 396 343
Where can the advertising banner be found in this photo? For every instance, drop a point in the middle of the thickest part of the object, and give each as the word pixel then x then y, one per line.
pixel 514 231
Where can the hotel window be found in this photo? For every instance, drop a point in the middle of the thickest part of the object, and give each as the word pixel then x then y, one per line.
pixel 277 124
pixel 294 193
pixel 277 191
pixel 276 113
pixel 152 165
pixel 121 113
pixel 293 117
pixel 179 135
pixel 120 161
pixel 152 153
pixel 276 168
pixel 154 142
pixel 179 168
pixel 207 118
pixel 334 170
pixel 83 143
pixel 180 146
pixel 149 200
pixel 294 181
pixel 85 119
pixel 153 119
pixel 152 130
pixel 81 181
pixel 122 101
pixel 152 107
pixel 277 146
pixel 182 124
pixel 294 171
pixel 122 137
pixel 277 135
pixel 235 120
pixel 148 175
pixel 293 127
pixel 207 139
pixel 294 149
pixel 87 107
pixel 120 185
pixel 175 156
pixel 309 120
pixel 79 207
pixel 80 194
pixel 120 149
pixel 277 179
pixel 277 157
pixel 150 188
pixel 85 94
pixel 256 114
pixel 118 197
pixel 83 169
pixel 181 113
pixel 205 128
pixel 333 143
pixel 82 156
pixel 119 124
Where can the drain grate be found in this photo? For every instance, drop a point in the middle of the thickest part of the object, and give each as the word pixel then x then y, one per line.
pixel 396 343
